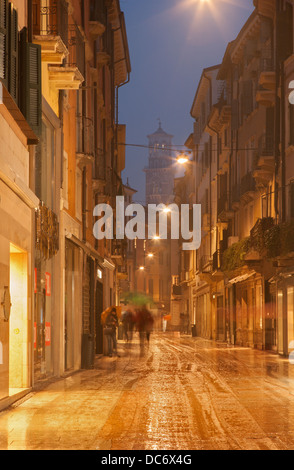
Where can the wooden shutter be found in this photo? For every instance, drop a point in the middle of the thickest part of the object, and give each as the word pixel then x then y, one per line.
pixel 4 41
pixel 30 84
pixel 13 53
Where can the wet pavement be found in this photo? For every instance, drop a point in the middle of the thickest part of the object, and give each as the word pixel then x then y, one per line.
pixel 183 394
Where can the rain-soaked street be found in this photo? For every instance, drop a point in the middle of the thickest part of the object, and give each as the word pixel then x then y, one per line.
pixel 184 394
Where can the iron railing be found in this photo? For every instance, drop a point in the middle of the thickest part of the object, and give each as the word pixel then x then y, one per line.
pixel 266 145
pixel 50 18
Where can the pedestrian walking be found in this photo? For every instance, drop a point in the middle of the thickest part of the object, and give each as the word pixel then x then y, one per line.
pixel 111 325
pixel 144 323
pixel 128 324
pixel 149 325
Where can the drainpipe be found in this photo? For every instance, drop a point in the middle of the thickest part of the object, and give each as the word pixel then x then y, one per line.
pixel 210 106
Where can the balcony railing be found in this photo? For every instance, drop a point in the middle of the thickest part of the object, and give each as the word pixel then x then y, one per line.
pixel 76 47
pixel 266 146
pixel 205 264
pixel 51 18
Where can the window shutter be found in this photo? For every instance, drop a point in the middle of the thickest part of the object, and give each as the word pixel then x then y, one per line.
pixel 30 84
pixel 4 41
pixel 13 53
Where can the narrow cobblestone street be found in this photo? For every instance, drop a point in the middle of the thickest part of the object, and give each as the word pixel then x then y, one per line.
pixel 183 393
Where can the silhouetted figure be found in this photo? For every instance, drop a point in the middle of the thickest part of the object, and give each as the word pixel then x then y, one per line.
pixel 128 324
pixel 144 322
pixel 111 325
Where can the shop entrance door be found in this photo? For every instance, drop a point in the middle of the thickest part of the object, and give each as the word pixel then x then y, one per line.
pixel 18 322
pixel 99 310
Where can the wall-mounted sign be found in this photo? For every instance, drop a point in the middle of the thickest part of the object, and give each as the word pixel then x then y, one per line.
pixel 47 334
pixel 6 304
pixel 99 273
pixel 35 283
pixel 47 232
pixel 48 284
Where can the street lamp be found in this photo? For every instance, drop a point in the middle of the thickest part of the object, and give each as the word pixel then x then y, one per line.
pixel 182 158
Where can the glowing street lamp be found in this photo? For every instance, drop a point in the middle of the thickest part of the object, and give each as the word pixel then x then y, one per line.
pixel 182 159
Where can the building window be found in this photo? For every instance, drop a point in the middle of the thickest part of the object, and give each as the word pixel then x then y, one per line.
pixel 65 180
pixel 78 194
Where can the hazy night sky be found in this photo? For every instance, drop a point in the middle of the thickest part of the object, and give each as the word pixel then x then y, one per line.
pixel 170 42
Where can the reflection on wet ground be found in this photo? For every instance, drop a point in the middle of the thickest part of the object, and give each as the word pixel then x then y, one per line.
pixel 183 393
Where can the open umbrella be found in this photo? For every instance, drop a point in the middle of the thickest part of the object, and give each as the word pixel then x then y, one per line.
pixel 108 310
pixel 137 299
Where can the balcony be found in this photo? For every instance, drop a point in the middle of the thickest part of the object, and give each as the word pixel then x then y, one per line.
pixel 265 97
pixel 50 29
pixel 223 212
pixel 247 187
pixel 85 141
pixel 267 80
pixel 265 161
pixel 122 273
pixel 118 251
pixel 257 234
pixel 205 264
pixel 97 20
pixel 71 75
pixel 267 77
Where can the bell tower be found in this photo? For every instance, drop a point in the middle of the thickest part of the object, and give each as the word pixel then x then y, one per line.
pixel 160 172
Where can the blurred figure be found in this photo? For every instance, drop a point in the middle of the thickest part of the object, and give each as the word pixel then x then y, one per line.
pixel 164 323
pixel 149 326
pixel 182 322
pixel 128 324
pixel 144 323
pixel 111 325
